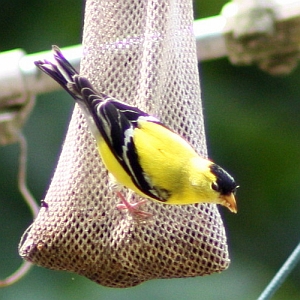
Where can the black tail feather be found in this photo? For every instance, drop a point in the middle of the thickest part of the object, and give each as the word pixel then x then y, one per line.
pixel 61 71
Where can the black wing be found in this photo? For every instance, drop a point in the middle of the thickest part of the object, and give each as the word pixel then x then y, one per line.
pixel 114 119
pixel 116 122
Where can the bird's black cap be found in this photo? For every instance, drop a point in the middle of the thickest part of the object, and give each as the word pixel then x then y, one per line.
pixel 225 184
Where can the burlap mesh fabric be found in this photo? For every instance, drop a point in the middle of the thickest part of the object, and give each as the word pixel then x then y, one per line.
pixel 142 52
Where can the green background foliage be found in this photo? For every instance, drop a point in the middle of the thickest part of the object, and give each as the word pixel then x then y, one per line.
pixel 252 124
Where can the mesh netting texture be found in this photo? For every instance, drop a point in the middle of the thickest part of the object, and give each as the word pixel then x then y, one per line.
pixel 142 52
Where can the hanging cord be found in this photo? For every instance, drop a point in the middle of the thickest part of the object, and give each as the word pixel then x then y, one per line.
pixel 22 175
pixel 281 275
pixel 29 199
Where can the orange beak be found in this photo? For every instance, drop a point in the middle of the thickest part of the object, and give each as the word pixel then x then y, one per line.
pixel 229 202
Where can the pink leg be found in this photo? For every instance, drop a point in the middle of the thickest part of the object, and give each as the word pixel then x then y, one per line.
pixel 133 208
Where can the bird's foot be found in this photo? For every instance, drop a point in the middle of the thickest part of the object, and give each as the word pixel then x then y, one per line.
pixel 133 208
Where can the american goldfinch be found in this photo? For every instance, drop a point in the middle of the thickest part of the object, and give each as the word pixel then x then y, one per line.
pixel 139 151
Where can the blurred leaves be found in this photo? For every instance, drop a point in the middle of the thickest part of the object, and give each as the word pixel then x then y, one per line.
pixel 34 25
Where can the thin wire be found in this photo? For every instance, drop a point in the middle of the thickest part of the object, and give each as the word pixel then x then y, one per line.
pixel 281 275
pixel 17 275
pixel 29 199
pixel 22 175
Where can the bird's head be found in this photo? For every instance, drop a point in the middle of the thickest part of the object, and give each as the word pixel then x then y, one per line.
pixel 211 184
pixel 225 186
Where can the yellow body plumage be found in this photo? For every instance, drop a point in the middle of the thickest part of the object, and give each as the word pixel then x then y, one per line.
pixel 169 162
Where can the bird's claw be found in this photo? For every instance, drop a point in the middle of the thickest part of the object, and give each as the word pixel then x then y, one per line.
pixel 133 207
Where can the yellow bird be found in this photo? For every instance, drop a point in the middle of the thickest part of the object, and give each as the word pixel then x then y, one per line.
pixel 139 151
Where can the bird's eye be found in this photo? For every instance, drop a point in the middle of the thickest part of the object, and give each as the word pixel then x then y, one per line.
pixel 215 186
pixel 234 191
